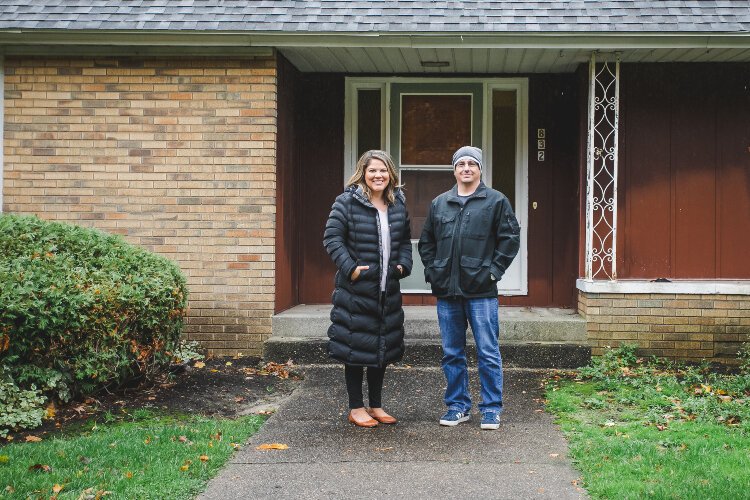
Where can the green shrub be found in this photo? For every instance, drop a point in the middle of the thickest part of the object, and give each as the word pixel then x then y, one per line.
pixel 83 306
pixel 19 408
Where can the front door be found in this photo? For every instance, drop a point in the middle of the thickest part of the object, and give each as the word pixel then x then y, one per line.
pixel 423 122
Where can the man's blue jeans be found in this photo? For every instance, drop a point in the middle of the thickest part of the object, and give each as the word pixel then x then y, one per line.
pixel 453 317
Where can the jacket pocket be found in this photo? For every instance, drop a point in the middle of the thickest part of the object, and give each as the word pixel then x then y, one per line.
pixel 478 225
pixel 446 226
pixel 371 274
pixel 439 274
pixel 475 275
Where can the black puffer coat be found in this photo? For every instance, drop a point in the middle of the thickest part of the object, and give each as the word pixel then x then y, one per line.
pixel 364 331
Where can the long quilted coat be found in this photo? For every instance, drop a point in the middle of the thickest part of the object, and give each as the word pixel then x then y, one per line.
pixel 365 331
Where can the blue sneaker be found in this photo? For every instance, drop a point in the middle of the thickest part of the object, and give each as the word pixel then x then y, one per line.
pixel 490 420
pixel 453 417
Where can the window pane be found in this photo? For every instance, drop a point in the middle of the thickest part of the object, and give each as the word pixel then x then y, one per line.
pixel 433 127
pixel 504 143
pixel 368 120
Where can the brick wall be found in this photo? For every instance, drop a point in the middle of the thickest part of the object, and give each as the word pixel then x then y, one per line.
pixel 677 326
pixel 178 155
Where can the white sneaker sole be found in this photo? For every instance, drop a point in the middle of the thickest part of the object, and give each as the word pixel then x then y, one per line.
pixel 453 423
pixel 490 427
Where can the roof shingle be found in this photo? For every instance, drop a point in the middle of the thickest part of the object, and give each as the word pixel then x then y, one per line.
pixel 380 16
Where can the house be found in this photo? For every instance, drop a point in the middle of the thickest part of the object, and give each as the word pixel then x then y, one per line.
pixel 218 133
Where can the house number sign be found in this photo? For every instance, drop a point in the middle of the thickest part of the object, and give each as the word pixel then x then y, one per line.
pixel 541 143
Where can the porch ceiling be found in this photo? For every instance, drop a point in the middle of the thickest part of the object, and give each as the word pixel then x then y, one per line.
pixel 486 60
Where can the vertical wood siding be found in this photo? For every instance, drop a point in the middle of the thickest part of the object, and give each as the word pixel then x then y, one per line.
pixel 685 180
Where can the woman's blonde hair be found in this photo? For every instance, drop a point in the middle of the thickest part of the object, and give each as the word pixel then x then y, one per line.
pixel 358 179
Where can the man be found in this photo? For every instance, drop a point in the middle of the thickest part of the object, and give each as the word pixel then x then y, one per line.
pixel 470 237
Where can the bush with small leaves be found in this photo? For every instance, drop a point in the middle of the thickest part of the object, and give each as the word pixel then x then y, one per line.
pixel 83 308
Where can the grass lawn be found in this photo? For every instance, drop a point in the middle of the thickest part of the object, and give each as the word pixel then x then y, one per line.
pixel 648 429
pixel 136 454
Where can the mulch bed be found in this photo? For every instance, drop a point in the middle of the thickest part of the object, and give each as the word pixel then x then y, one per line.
pixel 217 387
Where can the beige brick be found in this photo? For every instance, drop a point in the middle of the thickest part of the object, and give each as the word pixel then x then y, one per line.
pixel 108 145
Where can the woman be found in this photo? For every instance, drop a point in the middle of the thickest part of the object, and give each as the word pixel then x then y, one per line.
pixel 368 237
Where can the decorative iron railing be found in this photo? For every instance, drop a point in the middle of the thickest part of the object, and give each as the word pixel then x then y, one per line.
pixel 601 183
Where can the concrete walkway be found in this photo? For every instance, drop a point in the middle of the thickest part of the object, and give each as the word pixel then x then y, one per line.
pixel 417 458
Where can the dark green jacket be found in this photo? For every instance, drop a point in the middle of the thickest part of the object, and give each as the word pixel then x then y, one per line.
pixel 466 250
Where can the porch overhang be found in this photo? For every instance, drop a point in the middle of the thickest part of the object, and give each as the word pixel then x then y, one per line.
pixel 393 52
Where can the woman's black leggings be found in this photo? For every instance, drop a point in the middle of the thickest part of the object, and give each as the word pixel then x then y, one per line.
pixel 354 377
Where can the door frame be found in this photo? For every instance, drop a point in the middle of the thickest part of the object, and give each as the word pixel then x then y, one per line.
pixel 519 269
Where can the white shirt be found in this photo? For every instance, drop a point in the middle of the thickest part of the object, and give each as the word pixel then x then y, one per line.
pixel 385 245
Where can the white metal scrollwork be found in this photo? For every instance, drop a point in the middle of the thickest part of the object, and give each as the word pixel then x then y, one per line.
pixel 601 185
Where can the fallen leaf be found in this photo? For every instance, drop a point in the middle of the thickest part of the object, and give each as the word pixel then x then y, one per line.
pixel 10 489
pixel 199 364
pixel 129 475
pixel 40 467
pixel 203 458
pixel 183 439
pixel 4 459
pixel 228 363
pixel 554 455
pixel 57 488
pixel 184 467
pixel 272 446
pixel 33 439
pixel 235 446
pixel 50 411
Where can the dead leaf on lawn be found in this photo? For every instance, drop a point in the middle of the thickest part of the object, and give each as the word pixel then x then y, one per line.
pixel 203 458
pixel 129 475
pixel 33 439
pixel 272 446
pixel 57 488
pixel 4 459
pixel 40 467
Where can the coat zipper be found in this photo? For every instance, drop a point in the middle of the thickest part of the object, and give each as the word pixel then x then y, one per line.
pixel 455 263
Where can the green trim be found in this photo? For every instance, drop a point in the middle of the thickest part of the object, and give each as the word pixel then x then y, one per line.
pixel 134 50
pixel 569 40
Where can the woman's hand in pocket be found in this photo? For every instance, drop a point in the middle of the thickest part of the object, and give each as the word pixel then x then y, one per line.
pixel 358 271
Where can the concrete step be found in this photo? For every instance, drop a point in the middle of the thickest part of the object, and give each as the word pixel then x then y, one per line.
pixel 428 352
pixel 517 324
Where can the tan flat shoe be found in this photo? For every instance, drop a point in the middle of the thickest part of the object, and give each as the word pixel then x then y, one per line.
pixel 383 419
pixel 367 423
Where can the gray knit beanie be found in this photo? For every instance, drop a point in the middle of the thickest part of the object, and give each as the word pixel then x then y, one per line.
pixel 468 153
